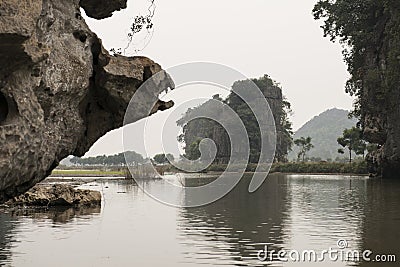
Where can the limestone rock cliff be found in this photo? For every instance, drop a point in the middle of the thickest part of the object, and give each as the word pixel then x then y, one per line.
pixel 199 128
pixel 60 91
pixel 370 33
pixel 380 97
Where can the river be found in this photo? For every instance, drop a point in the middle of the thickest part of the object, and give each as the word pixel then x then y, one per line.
pixel 288 213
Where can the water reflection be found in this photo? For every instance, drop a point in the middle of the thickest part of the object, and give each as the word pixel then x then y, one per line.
pixel 14 222
pixel 323 210
pixel 295 212
pixel 7 228
pixel 287 212
pixel 57 215
pixel 231 230
pixel 380 231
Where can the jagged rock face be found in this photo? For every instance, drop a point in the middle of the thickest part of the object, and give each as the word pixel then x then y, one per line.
pixel 60 91
pixel 199 128
pixel 380 98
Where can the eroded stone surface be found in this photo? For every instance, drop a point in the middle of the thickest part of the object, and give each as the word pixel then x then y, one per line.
pixel 60 91
pixel 379 98
pixel 58 195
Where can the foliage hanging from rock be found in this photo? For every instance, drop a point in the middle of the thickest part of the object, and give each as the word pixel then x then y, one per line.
pixel 370 33
pixel 197 129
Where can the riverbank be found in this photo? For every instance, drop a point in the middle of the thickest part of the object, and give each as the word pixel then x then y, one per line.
pixel 356 168
pixel 88 173
pixel 359 168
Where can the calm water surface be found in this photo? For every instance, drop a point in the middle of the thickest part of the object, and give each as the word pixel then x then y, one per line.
pixel 291 212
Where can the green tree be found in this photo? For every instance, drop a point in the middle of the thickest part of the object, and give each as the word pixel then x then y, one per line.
pixel 193 152
pixel 364 27
pixel 352 140
pixel 284 132
pixel 372 148
pixel 121 159
pixel 133 158
pixel 305 145
pixel 163 158
pixel 197 129
pixel 75 160
pixel 370 33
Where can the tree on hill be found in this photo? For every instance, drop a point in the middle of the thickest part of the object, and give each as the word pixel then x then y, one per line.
pixel 352 140
pixel 305 145
pixel 324 130
pixel 163 158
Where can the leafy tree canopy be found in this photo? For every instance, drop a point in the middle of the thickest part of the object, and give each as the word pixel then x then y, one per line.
pixel 163 158
pixel 121 159
pixel 305 145
pixel 195 130
pixel 352 140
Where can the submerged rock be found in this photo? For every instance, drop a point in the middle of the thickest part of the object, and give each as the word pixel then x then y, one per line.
pixel 58 195
pixel 60 90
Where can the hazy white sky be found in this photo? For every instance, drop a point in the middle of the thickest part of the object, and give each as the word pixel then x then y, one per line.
pixel 255 37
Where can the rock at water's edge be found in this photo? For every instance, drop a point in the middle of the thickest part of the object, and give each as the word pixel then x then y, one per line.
pixel 58 195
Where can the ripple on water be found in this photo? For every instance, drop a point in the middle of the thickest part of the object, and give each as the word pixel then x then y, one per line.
pixel 289 212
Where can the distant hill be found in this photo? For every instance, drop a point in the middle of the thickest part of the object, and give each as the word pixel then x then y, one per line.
pixel 324 130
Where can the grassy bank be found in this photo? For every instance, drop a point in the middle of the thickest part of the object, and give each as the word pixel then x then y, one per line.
pixel 291 167
pixel 321 167
pixel 88 173
pixel 307 167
